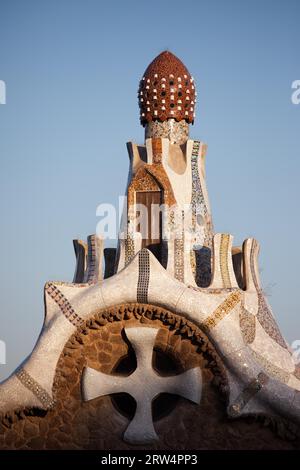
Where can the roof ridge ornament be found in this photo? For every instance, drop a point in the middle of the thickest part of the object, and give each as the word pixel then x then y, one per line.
pixel 167 91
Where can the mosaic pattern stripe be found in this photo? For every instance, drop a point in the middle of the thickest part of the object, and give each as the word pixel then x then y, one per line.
pixel 248 393
pixel 31 384
pixel 198 201
pixel 176 132
pixel 129 249
pixel 221 312
pixel 224 245
pixel 179 252
pixel 64 305
pixel 92 278
pixel 144 277
pixel 268 323
pixel 247 325
pixel 200 259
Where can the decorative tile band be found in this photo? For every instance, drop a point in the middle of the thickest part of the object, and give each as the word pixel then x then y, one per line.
pixel 271 369
pixel 144 277
pixel 221 311
pixel 267 321
pixel 197 193
pixel 224 260
pixel 247 394
pixel 176 132
pixel 35 388
pixel 203 236
pixel 91 275
pixel 179 252
pixel 247 325
pixel 64 305
pixel 198 203
pixel 129 249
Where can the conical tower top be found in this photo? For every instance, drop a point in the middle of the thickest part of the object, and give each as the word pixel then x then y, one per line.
pixel 167 91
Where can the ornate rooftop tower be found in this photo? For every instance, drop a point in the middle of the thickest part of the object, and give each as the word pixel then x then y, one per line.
pixel 169 171
pixel 178 312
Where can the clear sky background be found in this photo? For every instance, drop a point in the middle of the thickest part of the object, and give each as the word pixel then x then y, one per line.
pixel 72 69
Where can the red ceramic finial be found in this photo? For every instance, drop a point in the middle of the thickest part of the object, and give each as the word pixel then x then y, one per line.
pixel 167 91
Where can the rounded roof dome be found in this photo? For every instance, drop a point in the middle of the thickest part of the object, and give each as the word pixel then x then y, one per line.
pixel 167 91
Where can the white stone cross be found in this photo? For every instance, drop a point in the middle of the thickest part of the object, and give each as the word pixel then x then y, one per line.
pixel 144 385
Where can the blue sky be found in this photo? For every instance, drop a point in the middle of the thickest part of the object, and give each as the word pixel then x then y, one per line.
pixel 71 70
